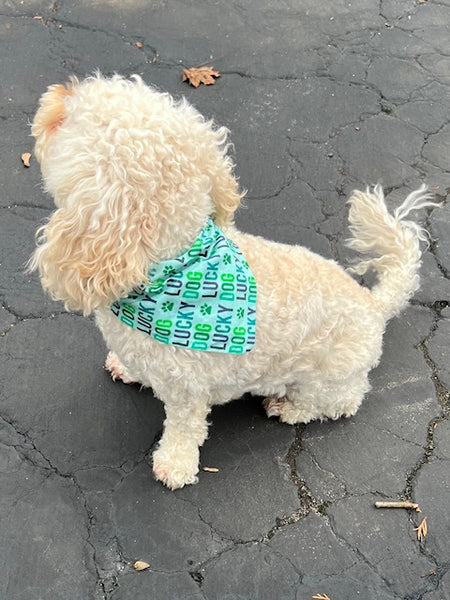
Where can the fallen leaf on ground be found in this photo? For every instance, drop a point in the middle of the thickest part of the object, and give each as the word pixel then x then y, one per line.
pixel 140 565
pixel 422 530
pixel 197 75
pixel 26 159
pixel 321 597
pixel 139 44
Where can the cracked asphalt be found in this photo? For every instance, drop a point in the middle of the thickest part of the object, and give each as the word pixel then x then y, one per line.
pixel 320 97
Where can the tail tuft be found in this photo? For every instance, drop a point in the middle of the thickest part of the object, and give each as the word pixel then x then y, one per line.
pixel 391 242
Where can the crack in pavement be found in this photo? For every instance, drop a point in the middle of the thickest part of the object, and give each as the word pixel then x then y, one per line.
pixel 26 450
pixel 361 556
pixel 443 398
pixel 109 560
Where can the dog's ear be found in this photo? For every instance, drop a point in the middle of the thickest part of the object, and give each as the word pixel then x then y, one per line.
pixel 91 253
pixel 51 112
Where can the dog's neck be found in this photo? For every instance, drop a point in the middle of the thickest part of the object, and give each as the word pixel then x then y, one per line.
pixel 177 232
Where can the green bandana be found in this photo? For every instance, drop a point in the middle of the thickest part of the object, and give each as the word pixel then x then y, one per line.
pixel 205 299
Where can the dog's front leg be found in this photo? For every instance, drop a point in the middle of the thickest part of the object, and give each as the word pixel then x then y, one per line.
pixel 175 461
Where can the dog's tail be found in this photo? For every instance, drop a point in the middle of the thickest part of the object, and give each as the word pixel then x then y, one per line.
pixel 393 243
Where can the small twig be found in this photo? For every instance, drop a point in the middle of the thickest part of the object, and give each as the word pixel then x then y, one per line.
pixel 430 573
pixel 399 504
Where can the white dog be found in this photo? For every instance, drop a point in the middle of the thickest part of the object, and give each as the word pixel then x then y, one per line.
pixel 143 235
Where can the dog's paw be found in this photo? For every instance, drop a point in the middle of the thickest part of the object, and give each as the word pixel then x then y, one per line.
pixel 274 406
pixel 174 472
pixel 287 411
pixel 115 367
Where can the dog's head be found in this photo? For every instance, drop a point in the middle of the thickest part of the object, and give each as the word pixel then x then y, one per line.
pixel 133 174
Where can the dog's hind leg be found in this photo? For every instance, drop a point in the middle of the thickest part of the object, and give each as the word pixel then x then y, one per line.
pixel 319 400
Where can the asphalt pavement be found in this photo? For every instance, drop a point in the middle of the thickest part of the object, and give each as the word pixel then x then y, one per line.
pixel 320 97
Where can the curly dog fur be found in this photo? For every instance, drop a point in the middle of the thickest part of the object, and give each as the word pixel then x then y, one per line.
pixel 134 176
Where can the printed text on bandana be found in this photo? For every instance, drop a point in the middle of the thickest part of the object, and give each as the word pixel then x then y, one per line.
pixel 205 299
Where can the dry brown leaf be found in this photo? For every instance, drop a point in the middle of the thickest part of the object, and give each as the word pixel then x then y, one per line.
pixel 422 530
pixel 26 159
pixel 139 44
pixel 321 597
pixel 210 469
pixel 140 565
pixel 197 75
pixel 37 18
